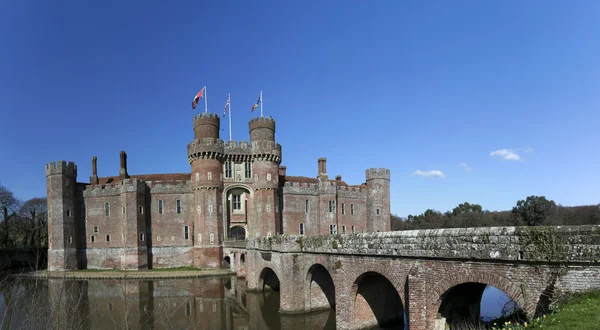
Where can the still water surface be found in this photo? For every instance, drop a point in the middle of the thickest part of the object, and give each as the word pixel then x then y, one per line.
pixel 200 303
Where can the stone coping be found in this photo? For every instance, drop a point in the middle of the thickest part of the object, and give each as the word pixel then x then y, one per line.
pixel 131 274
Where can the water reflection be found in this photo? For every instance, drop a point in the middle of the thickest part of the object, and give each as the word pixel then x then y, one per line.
pixel 202 303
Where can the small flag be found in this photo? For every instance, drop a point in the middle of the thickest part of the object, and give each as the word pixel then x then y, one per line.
pixel 198 97
pixel 257 102
pixel 226 104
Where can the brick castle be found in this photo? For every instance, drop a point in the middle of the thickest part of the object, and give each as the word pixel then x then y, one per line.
pixel 236 190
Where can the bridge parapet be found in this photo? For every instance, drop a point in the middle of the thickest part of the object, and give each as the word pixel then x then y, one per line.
pixel 576 244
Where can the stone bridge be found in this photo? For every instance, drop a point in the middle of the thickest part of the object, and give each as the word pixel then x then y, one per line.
pixel 427 277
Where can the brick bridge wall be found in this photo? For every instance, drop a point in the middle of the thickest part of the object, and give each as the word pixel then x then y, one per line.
pixel 532 265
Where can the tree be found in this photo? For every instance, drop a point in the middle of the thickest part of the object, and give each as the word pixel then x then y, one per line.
pixel 34 212
pixel 465 208
pixel 9 206
pixel 535 210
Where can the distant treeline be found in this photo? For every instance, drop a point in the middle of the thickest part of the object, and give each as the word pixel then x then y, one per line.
pixel 22 223
pixel 533 211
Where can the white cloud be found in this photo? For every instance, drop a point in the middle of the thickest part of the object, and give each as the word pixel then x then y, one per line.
pixel 465 166
pixel 510 154
pixel 434 173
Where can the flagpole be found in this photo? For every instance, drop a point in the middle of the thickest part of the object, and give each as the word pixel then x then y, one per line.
pixel 261 104
pixel 205 100
pixel 229 98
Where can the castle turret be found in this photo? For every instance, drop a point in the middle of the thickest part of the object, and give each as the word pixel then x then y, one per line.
pixel 205 153
pixel 378 199
pixel 266 157
pixel 61 180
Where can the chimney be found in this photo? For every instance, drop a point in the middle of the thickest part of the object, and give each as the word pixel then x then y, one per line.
pixel 94 177
pixel 282 170
pixel 338 177
pixel 322 168
pixel 123 170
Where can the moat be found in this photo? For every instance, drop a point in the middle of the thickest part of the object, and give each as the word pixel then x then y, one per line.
pixel 198 303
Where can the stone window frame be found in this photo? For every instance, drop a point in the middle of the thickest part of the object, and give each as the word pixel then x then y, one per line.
pixel 343 229
pixel 332 229
pixel 377 211
pixel 70 239
pixel 307 207
pixel 248 170
pixel 96 230
pixel 108 238
pixel 92 238
pixel 352 229
pixel 141 210
pixel 331 206
pixel 186 232
pixel 141 237
pixel 68 213
pixel 161 209
pixel 107 209
pixel 343 209
pixel 178 206
pixel 301 228
pixel 228 169
pixel 352 209
pixel 124 210
pixel 238 202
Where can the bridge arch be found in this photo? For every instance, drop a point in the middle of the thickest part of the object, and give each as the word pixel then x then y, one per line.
pixel 319 290
pixel 268 280
pixel 375 302
pixel 458 297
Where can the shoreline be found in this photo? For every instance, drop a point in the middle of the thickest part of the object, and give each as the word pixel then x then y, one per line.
pixel 85 274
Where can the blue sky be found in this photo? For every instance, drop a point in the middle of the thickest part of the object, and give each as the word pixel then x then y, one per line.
pixel 418 87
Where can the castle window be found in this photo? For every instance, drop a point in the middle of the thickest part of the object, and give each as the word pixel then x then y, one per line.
pixel 212 238
pixel 68 213
pixel 332 229
pixel 108 238
pixel 343 208
pixel 301 229
pixel 95 229
pixel 106 209
pixel 352 209
pixel 236 202
pixel 343 228
pixel 141 236
pixel 331 206
pixel 83 211
pixel 123 210
pixel 352 229
pixel 70 239
pixel 160 206
pixel 178 206
pixel 188 309
pixel 248 170
pixel 377 211
pixel 186 232
pixel 141 210
pixel 92 238
pixel 306 207
pixel 228 169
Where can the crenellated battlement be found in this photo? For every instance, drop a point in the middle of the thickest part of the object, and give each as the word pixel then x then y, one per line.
pixel 205 148
pixel 300 188
pixel 206 125
pixel 238 151
pixel 266 150
pixel 257 122
pixel 113 189
pixel 62 167
pixel 262 129
pixel 206 116
pixel 378 173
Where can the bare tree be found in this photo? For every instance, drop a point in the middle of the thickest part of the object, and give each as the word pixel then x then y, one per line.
pixel 34 212
pixel 9 205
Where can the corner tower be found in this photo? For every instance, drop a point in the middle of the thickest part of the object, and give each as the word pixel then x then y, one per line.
pixel 61 180
pixel 205 154
pixel 378 199
pixel 266 157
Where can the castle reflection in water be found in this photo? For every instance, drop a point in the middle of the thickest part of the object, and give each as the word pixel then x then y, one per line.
pixel 195 303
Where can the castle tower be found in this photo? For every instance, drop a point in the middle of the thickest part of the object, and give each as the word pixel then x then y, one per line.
pixel 378 200
pixel 61 184
pixel 266 157
pixel 205 153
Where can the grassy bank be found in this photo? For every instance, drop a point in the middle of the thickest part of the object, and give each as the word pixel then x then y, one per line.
pixel 581 312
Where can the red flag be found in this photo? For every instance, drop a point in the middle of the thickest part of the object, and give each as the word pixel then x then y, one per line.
pixel 197 98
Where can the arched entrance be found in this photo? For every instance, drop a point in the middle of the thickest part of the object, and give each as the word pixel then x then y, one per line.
pixel 268 280
pixel 237 200
pixel 376 303
pixel 238 233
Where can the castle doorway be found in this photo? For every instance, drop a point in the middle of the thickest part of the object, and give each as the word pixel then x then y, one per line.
pixel 238 233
